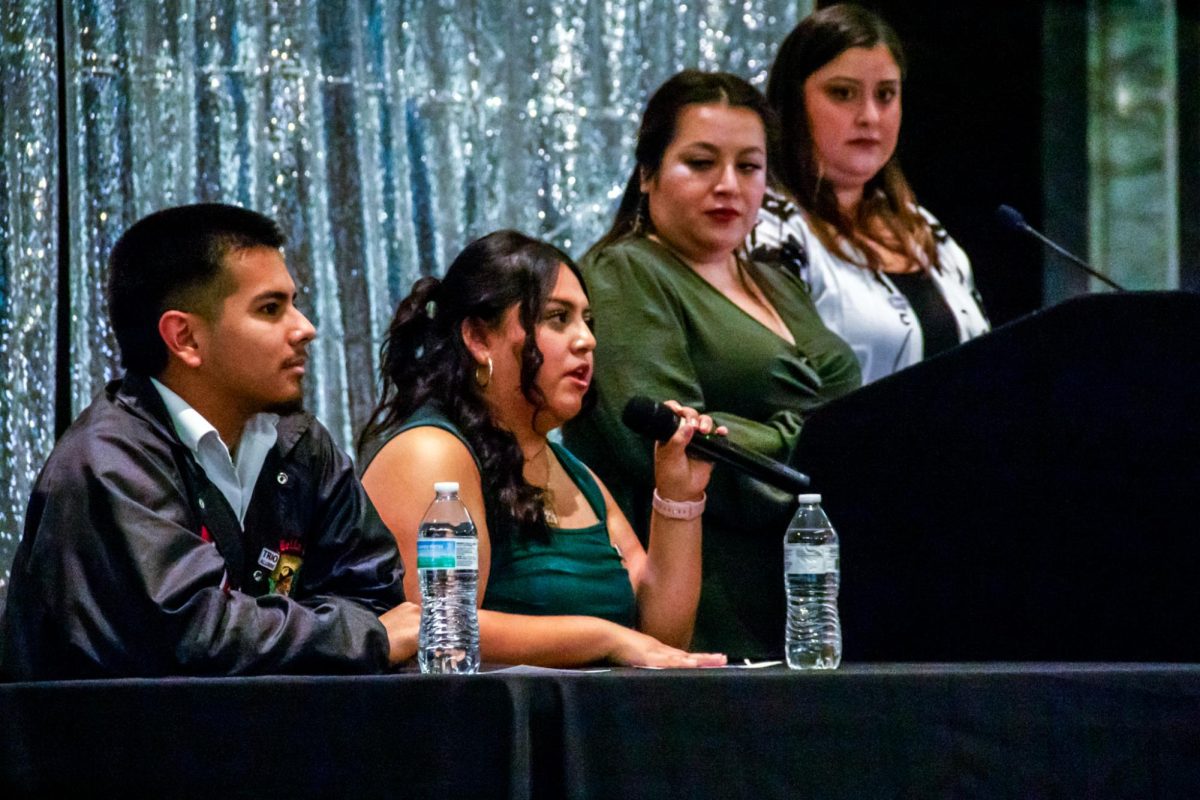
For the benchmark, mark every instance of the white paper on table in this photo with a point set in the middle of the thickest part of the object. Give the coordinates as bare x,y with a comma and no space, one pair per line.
527,669
747,664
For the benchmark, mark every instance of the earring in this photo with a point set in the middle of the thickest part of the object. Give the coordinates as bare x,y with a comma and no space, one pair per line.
640,214
483,373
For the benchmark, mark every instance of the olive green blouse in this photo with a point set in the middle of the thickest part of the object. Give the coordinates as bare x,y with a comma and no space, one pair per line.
664,332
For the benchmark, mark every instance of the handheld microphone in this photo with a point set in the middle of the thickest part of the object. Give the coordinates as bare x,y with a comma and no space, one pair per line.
656,421
1011,219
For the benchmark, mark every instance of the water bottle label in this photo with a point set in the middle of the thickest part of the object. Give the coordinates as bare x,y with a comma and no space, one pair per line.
447,554
810,559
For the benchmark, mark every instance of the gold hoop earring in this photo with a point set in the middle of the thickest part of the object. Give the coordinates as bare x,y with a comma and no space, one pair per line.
483,373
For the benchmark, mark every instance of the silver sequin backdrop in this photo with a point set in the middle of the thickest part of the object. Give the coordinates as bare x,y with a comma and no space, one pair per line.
382,135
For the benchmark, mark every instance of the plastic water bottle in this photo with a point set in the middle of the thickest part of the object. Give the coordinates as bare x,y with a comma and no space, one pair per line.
448,569
812,567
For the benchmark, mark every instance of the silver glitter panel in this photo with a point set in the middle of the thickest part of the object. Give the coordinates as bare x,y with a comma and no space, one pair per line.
382,134
29,254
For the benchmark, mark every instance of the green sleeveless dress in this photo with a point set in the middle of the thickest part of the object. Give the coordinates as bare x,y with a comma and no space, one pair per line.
576,572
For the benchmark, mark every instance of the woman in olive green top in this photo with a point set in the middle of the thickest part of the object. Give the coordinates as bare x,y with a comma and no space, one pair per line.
477,368
682,314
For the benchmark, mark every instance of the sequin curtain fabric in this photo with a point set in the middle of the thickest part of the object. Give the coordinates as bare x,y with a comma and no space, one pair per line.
382,135
29,254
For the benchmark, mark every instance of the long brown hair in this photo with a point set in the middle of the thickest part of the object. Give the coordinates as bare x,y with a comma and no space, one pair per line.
887,198
424,358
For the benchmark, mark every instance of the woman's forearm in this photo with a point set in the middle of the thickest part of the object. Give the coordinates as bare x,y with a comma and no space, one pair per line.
554,641
669,589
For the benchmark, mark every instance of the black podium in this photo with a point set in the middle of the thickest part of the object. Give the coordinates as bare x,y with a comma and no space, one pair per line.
1030,495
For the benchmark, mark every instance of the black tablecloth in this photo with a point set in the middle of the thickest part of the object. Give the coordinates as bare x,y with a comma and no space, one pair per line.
992,730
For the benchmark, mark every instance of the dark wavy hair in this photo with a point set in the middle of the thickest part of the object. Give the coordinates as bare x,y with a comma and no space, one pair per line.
175,259
424,358
818,39
657,131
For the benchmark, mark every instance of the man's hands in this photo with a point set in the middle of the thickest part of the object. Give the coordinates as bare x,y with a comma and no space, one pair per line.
402,623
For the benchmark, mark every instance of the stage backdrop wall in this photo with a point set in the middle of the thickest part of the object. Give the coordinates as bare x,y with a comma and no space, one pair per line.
382,135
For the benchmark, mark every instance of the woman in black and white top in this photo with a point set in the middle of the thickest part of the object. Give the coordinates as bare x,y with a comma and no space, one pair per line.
883,273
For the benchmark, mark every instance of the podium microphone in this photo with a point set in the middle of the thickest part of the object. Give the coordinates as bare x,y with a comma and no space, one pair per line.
656,421
1011,219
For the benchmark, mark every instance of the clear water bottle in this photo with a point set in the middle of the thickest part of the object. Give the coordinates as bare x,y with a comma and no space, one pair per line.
448,569
812,567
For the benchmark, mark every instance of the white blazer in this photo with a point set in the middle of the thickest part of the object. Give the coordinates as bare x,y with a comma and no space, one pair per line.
862,306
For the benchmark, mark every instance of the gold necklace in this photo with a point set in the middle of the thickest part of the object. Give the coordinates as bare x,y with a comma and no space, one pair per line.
547,495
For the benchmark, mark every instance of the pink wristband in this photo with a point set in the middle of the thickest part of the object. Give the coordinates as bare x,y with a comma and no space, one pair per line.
677,509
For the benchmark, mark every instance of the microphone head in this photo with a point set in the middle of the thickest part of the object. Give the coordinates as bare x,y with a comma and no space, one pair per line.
1010,218
648,418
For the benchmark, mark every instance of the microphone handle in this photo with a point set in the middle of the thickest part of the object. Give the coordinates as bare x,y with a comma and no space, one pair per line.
1074,259
718,449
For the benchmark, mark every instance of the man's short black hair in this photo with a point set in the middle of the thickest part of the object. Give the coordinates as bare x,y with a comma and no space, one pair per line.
175,259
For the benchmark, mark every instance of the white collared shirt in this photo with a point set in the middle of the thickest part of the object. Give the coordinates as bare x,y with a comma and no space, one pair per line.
235,480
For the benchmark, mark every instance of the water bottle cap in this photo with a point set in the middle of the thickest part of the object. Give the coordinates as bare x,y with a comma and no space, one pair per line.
809,498
446,487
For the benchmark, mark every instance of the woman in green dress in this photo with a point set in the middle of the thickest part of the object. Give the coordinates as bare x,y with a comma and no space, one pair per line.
477,368
682,313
